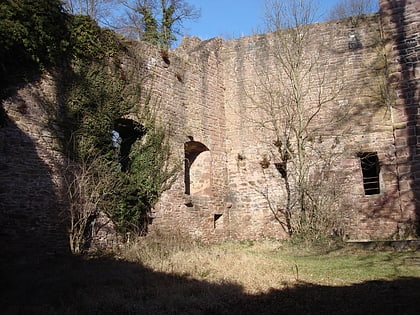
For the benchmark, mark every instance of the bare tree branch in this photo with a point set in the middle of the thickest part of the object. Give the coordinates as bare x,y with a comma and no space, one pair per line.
288,96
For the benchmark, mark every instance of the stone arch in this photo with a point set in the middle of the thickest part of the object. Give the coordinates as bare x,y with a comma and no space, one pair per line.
125,133
197,168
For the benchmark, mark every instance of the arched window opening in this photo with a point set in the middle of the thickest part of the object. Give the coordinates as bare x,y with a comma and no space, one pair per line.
196,177
125,133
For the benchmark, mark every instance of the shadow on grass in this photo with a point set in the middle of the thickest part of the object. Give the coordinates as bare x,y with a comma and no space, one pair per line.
74,285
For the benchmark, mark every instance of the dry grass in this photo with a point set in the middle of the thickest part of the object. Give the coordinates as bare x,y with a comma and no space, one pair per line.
171,274
259,267
243,263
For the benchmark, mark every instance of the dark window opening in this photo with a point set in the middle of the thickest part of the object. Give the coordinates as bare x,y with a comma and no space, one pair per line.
217,216
192,149
125,133
281,167
370,170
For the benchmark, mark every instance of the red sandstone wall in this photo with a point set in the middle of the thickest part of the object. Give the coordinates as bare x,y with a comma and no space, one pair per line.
361,125
366,125
32,217
191,91
401,22
200,94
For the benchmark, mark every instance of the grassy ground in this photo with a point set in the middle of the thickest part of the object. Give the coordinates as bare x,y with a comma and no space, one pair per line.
171,275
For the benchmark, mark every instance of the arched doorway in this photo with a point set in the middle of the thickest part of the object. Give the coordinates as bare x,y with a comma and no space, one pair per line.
197,168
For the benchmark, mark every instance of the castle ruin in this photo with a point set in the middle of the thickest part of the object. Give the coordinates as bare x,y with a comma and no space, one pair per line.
231,180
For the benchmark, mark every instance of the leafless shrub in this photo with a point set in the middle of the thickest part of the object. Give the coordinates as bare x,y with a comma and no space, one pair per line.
288,98
90,186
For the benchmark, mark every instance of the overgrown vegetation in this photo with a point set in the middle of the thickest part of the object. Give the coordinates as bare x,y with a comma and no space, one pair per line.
33,36
158,22
95,92
98,94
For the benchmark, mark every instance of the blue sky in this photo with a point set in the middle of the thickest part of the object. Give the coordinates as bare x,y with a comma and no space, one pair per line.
233,18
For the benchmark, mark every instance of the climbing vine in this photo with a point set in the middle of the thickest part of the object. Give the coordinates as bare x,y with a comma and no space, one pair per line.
98,93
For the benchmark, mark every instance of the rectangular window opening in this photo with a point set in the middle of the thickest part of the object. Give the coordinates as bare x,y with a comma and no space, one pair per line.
370,169
217,216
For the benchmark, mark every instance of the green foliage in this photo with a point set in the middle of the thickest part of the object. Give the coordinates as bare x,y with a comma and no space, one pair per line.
167,31
38,26
33,36
89,41
97,94
149,175
11,28
150,33
36,35
94,101
160,20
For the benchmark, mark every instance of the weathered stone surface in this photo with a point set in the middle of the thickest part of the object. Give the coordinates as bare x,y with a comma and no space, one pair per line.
33,221
217,76
202,99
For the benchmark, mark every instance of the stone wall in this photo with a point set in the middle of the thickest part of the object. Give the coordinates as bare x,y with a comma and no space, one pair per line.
350,121
359,119
192,102
401,24
202,92
33,221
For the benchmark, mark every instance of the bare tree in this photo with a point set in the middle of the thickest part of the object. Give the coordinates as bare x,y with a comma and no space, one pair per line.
353,9
98,10
288,97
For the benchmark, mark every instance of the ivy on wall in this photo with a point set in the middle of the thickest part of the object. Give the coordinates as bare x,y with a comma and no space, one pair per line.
33,37
94,92
97,95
